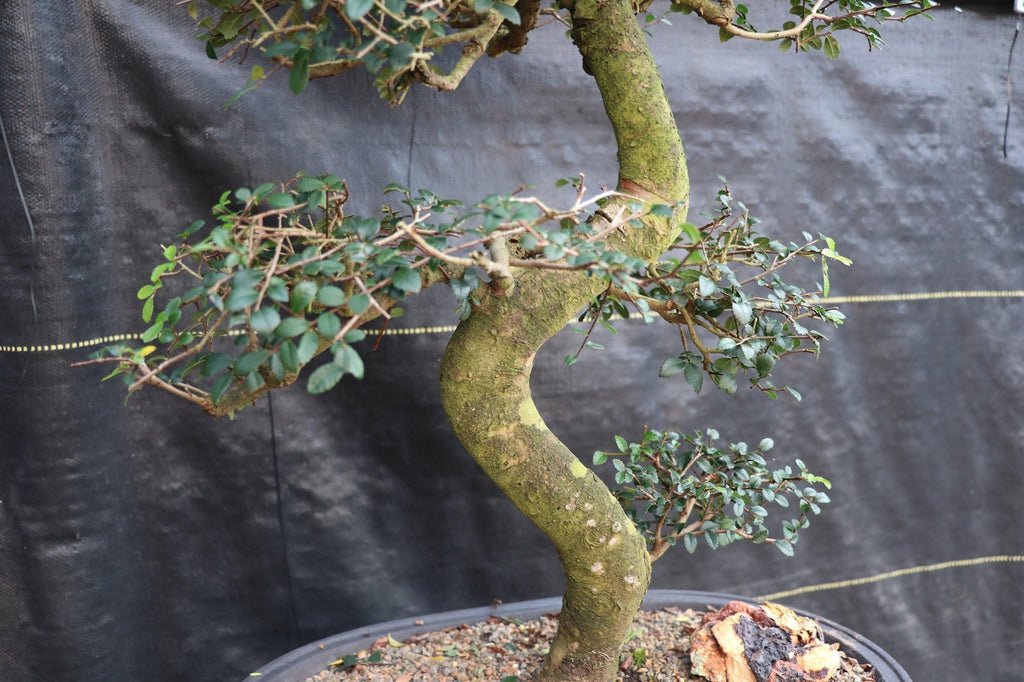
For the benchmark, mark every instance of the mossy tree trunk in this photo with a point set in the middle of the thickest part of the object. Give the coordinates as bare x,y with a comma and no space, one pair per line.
485,373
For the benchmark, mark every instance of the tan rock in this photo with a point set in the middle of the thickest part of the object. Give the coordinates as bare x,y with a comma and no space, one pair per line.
707,658
820,658
736,667
803,630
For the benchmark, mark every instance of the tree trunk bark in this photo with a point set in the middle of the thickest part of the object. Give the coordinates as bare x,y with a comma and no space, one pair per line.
485,372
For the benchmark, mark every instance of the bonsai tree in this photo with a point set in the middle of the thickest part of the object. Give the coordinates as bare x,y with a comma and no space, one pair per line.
285,273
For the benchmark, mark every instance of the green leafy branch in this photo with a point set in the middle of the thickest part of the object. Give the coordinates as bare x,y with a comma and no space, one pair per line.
816,23
735,314
285,274
396,40
682,487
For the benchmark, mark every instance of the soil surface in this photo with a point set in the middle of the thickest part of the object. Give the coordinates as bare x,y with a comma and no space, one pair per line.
509,650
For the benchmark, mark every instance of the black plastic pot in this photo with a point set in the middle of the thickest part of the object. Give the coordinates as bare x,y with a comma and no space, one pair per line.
308,660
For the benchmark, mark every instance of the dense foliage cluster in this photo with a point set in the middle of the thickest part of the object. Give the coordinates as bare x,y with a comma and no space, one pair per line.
735,314
395,40
683,487
400,41
286,274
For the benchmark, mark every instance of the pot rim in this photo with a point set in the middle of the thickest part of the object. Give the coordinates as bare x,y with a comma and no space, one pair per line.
312,658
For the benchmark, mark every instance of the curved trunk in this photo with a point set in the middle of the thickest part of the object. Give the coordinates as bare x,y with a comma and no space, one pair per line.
485,373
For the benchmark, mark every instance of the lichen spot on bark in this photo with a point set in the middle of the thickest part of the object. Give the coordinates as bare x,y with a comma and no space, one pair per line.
597,567
631,580
529,416
578,469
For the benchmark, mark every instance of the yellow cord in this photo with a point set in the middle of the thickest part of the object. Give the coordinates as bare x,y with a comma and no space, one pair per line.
924,296
449,328
888,575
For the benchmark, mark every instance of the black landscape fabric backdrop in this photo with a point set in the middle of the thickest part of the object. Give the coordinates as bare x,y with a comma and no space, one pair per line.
149,542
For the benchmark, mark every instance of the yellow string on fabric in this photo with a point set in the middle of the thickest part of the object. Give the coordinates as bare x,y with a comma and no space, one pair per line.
449,328
889,575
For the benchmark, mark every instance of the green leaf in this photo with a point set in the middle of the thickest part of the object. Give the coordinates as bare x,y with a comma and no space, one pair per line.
795,393
356,9
509,12
158,273
831,47
277,291
329,325
600,458
317,199
250,362
766,444
706,286
354,336
694,375
407,280
764,364
279,200
308,345
263,190
302,295
219,387
348,360
212,54
358,304
812,478
145,292
621,443
292,326
743,312
254,381
298,79
727,383
215,364
147,310
672,367
399,55
692,232
241,297
289,356
324,378
831,253
690,543
191,229
152,332
264,320
785,547
309,184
